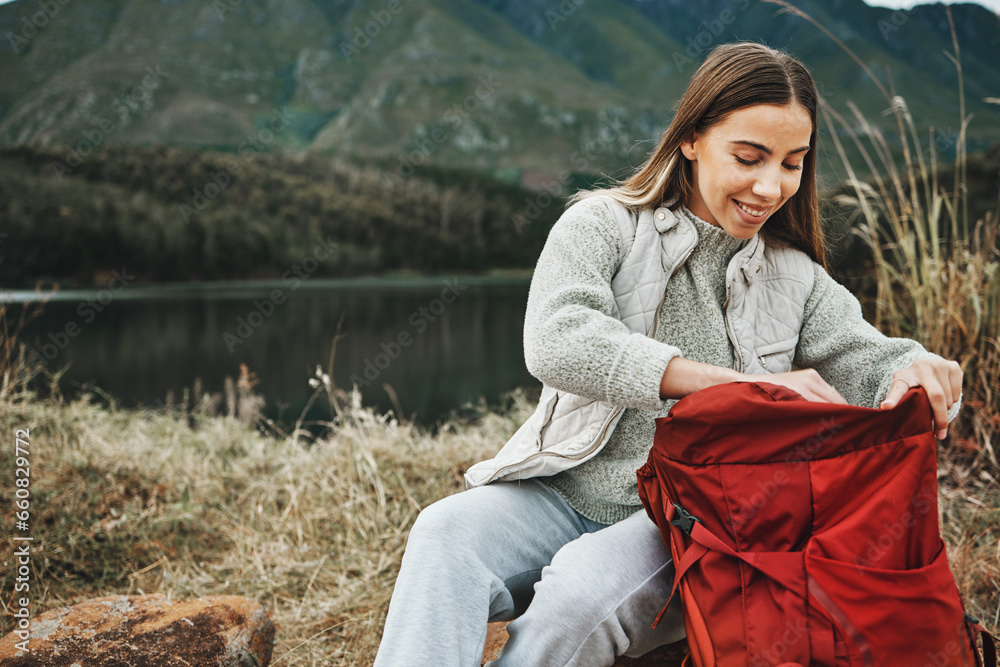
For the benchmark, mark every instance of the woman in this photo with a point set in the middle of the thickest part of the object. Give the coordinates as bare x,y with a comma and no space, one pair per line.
706,266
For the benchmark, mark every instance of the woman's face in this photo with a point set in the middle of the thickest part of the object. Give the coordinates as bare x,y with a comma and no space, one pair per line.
748,165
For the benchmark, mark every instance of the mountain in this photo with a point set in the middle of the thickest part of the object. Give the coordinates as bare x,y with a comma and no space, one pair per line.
510,86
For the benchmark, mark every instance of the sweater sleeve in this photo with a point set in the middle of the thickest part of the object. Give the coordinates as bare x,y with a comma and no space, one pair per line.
572,341
847,351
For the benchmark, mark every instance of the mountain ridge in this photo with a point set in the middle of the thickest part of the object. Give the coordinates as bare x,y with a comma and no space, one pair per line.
377,79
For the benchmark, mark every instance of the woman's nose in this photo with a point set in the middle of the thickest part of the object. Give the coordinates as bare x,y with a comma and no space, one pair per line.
767,185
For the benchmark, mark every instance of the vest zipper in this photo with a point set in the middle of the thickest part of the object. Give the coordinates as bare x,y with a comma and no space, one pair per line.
673,270
729,330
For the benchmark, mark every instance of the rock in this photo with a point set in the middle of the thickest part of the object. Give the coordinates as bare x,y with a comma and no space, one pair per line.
496,637
147,631
665,656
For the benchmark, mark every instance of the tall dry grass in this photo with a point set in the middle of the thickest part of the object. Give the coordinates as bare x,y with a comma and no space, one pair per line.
937,280
190,504
936,272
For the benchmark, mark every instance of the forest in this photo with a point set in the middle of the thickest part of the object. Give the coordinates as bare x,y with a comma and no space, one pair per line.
179,214
167,213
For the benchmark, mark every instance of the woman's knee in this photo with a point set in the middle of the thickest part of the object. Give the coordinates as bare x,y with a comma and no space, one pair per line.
453,526
438,523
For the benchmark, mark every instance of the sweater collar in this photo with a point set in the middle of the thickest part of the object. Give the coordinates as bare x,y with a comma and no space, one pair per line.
712,239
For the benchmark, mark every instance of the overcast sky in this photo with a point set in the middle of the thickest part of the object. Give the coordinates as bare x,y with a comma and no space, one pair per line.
989,4
992,4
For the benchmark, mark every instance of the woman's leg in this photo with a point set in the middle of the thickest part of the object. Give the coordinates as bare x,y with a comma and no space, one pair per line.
471,558
597,600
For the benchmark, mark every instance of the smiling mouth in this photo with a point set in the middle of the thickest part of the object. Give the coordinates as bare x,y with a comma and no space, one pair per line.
755,212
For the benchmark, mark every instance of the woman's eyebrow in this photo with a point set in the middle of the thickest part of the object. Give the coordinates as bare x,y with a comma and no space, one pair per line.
765,148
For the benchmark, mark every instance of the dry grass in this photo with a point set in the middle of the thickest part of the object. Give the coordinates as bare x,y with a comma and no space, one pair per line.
936,272
127,502
937,280
147,501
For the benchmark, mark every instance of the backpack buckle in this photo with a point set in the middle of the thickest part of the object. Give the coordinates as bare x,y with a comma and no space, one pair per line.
685,520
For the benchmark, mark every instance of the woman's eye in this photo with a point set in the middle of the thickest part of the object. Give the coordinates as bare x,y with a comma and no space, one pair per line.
793,167
748,163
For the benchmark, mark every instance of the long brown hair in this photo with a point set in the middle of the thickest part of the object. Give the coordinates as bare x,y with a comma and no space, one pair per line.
732,77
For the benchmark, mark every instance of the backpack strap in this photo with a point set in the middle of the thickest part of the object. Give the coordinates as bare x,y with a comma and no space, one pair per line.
975,630
779,567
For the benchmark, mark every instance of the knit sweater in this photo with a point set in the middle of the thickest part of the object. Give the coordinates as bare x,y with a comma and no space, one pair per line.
597,356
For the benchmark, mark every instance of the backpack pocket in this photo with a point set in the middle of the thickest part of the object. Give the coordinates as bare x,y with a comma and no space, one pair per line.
893,617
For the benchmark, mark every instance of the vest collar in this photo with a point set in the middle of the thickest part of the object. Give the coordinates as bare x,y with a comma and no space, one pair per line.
748,259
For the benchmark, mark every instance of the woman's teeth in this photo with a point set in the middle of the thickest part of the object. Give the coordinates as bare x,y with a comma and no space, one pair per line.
752,211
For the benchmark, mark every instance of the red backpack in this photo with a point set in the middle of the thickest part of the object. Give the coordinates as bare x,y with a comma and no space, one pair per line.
806,533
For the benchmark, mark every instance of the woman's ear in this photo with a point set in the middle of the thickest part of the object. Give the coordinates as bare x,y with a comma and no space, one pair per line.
687,148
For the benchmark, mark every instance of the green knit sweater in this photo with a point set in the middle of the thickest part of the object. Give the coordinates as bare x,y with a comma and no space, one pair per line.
580,257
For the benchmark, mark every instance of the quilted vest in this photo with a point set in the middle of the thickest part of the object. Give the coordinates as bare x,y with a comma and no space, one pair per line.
766,292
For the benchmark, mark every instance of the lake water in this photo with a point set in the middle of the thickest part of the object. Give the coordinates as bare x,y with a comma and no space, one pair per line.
438,342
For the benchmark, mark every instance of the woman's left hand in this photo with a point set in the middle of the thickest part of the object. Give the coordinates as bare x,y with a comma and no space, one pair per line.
941,379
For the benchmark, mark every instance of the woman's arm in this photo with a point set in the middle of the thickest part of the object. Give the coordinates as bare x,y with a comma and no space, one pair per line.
867,367
837,343
572,341
684,376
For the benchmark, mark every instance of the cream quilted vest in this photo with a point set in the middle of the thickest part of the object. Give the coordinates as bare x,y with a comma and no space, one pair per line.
766,292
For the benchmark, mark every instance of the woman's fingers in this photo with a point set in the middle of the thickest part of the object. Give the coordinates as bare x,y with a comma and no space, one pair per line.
897,390
942,382
807,382
825,392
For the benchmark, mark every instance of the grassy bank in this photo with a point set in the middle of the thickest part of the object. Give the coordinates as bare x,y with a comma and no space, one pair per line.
156,501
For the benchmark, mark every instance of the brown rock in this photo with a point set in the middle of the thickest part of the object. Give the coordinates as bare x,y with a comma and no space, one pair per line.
496,637
147,631
671,655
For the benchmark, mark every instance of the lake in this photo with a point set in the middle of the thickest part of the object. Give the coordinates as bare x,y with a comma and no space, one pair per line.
439,343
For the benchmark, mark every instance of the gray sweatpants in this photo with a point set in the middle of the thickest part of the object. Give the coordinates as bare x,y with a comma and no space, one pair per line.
581,593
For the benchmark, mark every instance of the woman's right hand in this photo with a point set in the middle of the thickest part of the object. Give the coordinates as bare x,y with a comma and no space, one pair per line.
806,382
684,376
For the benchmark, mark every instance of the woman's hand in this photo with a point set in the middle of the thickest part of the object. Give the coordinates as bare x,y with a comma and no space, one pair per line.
684,376
941,379
806,382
